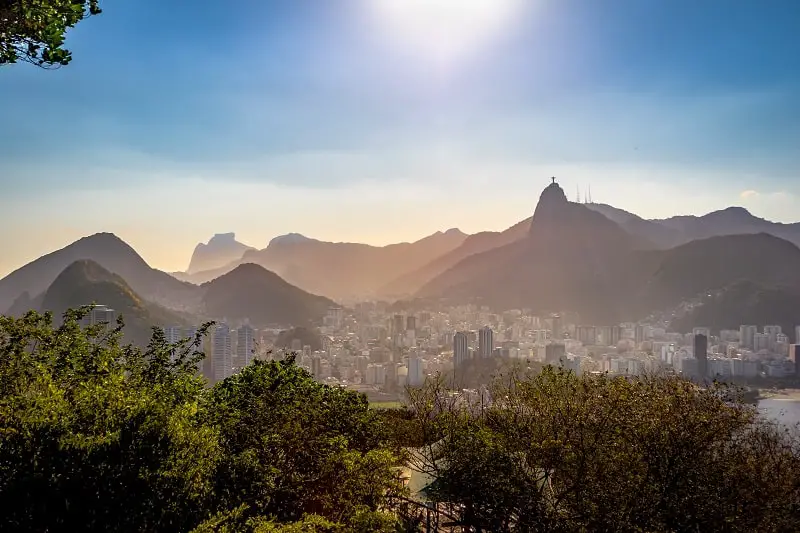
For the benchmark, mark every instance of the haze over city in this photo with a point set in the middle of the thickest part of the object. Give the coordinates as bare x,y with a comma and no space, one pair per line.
368,122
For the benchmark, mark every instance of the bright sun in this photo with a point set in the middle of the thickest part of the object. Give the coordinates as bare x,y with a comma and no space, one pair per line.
446,30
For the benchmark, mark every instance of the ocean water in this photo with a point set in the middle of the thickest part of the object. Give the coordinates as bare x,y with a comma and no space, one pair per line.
786,411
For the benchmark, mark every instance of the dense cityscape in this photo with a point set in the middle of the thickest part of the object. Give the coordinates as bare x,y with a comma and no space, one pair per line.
378,352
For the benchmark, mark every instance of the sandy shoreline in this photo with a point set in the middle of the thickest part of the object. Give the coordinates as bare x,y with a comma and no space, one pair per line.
780,394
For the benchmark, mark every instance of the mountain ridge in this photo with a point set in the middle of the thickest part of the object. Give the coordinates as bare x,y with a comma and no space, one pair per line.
220,250
110,252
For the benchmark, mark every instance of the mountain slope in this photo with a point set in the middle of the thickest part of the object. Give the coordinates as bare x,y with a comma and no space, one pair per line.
661,236
221,250
576,259
342,270
667,278
568,260
113,254
745,302
250,292
730,221
85,282
412,281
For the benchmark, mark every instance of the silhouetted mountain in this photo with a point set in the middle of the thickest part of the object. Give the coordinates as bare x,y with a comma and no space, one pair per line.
113,254
85,282
660,236
730,221
575,259
667,278
745,302
251,292
342,270
674,231
221,250
412,281
569,260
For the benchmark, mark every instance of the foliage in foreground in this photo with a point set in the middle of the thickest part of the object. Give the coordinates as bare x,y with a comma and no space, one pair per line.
96,436
556,452
33,31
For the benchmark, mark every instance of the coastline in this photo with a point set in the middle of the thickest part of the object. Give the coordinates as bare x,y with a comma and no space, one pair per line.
792,395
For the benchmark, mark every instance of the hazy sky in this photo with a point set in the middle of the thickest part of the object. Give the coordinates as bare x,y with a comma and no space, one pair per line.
351,120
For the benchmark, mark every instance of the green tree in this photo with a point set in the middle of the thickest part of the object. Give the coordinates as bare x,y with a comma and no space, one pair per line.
100,436
34,31
294,447
96,436
556,452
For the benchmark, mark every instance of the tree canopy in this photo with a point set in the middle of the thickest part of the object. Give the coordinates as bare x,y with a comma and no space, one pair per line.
558,452
97,436
100,436
34,31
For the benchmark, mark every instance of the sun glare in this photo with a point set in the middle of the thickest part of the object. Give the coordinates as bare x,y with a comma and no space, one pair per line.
446,30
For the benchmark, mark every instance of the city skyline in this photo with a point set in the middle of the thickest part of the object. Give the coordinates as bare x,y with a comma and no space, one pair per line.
327,124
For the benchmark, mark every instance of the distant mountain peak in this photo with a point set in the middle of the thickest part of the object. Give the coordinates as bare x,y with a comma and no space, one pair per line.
222,248
289,238
552,201
222,238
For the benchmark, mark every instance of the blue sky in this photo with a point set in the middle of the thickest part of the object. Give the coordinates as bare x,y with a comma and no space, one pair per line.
181,119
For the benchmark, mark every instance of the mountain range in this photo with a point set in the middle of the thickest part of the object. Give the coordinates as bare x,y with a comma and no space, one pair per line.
598,261
103,269
338,270
589,261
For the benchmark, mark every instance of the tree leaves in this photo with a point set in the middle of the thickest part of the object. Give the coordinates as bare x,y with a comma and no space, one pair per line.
34,31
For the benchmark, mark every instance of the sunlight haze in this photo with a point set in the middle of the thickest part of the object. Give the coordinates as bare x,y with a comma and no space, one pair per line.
341,122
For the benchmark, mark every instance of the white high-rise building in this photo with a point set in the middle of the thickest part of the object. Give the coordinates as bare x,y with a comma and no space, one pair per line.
415,373
760,342
221,355
460,348
100,314
747,336
485,342
245,344
173,334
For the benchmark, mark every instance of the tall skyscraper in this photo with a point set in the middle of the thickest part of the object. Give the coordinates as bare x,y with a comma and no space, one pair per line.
485,342
173,334
615,335
794,356
411,323
760,342
706,332
797,335
245,344
415,373
638,334
747,336
460,348
316,366
772,332
555,354
557,328
586,334
221,355
398,326
701,354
